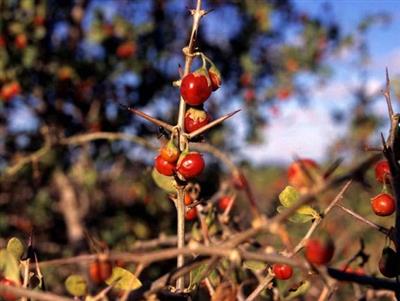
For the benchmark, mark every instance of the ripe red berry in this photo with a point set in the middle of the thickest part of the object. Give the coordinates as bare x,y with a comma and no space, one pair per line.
100,271
224,202
319,252
383,204
187,200
191,165
164,167
126,50
7,296
196,88
382,171
389,263
8,91
191,214
299,173
215,78
282,271
195,119
169,152
21,41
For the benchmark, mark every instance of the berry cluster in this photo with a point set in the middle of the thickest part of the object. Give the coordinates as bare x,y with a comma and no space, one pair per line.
186,165
383,204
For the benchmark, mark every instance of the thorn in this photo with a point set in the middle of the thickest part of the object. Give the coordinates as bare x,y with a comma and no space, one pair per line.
153,120
211,124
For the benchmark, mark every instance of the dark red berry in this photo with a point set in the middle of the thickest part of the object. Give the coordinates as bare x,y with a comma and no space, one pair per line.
319,252
382,171
191,165
195,119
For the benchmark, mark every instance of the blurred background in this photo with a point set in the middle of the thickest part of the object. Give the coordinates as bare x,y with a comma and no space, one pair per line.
307,76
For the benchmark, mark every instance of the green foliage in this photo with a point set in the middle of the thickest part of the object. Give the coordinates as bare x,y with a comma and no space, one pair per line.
123,279
15,247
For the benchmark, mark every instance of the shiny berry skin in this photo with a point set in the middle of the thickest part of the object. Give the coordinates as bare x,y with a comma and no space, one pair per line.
169,152
297,176
382,171
195,119
100,271
195,88
191,165
358,271
164,167
389,263
319,252
7,296
215,78
224,202
191,214
282,271
383,204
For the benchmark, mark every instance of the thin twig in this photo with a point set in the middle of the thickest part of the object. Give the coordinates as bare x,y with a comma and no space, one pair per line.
262,285
32,294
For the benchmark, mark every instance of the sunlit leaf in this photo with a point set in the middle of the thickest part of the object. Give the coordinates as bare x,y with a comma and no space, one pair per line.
9,267
76,285
15,247
123,279
164,182
289,196
296,217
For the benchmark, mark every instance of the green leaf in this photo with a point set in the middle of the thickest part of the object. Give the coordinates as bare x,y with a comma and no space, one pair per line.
307,210
123,279
296,217
76,285
164,182
196,275
15,247
301,289
9,266
254,265
289,196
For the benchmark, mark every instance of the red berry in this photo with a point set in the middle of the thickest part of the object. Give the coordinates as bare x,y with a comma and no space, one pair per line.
126,50
191,165
195,119
297,173
382,171
21,41
100,271
224,202
7,296
169,152
383,204
191,214
196,88
164,167
282,271
8,91
2,42
215,78
187,200
319,252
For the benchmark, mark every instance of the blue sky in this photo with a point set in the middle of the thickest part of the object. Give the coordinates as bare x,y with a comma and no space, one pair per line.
308,131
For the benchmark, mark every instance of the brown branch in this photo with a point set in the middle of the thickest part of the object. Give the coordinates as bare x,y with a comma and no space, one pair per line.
32,294
153,120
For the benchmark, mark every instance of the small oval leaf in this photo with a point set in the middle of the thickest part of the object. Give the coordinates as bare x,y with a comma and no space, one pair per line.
164,182
254,265
289,196
76,285
301,289
9,266
123,279
15,247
